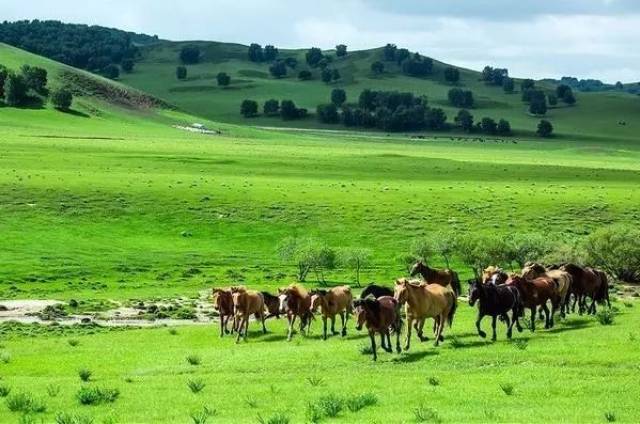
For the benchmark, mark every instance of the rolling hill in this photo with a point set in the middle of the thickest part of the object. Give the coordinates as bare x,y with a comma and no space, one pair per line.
595,116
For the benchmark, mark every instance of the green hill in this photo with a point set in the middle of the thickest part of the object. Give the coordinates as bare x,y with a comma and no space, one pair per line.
596,115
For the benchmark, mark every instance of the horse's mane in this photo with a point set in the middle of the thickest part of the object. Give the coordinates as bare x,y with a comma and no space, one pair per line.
298,290
319,291
268,295
238,289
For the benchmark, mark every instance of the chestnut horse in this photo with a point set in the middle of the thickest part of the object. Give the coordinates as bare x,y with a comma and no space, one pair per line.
443,277
494,275
536,293
272,304
247,303
496,300
223,303
332,302
587,282
425,301
380,316
562,278
295,302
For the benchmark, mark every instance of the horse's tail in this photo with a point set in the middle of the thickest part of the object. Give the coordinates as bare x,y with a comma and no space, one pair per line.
455,283
454,306
518,304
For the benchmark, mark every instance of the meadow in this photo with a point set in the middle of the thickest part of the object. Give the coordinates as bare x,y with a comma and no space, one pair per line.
112,203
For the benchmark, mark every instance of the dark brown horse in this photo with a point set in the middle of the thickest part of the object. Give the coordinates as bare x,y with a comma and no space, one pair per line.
380,316
536,293
443,277
563,281
295,301
495,301
587,282
494,275
272,304
247,303
223,303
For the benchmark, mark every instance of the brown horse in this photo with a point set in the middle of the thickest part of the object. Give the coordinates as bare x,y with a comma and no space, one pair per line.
536,293
562,278
443,277
272,304
587,282
380,316
425,301
336,301
247,303
494,275
295,302
223,303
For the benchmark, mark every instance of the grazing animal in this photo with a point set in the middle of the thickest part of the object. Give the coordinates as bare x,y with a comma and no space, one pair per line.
562,278
380,315
295,302
247,303
443,277
376,291
587,282
496,300
336,301
536,293
494,275
425,301
223,303
272,304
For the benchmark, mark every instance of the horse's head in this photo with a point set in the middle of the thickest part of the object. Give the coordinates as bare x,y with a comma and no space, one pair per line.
416,269
475,291
400,290
360,313
317,298
283,298
532,271
515,279
221,298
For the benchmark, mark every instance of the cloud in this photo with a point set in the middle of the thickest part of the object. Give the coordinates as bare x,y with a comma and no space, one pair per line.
541,38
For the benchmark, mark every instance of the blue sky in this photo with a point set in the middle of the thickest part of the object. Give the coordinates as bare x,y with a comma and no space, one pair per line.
537,38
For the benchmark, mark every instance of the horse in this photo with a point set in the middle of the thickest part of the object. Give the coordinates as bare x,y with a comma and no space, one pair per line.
494,275
424,301
223,303
247,303
587,282
295,302
376,291
380,316
336,301
443,277
535,293
272,304
562,278
496,300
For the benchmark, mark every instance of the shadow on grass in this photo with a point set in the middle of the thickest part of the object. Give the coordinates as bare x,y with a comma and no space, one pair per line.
571,325
409,357
74,112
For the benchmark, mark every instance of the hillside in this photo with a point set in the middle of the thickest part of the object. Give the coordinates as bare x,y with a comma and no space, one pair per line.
596,115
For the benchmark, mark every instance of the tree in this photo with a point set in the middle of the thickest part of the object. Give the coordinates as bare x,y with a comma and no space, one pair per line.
288,110
190,54
569,98
326,75
181,72
291,62
402,55
335,75
538,105
111,72
494,76
508,85
488,125
62,99
504,127
314,56
553,100
452,74
561,90
15,90
341,50
480,251
35,79
377,67
338,96
417,66
297,250
328,113
304,75
619,86
355,259
4,72
527,84
464,120
255,53
435,119
271,107
127,65
461,98
270,53
223,79
526,247
249,108
278,69
444,244
616,249
389,52
545,129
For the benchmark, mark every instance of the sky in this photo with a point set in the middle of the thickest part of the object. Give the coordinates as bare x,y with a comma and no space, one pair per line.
532,38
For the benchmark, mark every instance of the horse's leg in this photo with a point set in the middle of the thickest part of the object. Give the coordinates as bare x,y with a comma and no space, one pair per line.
549,317
344,317
516,317
239,334
222,326
540,315
478,320
388,347
533,319
373,345
333,325
592,308
292,321
440,326
420,329
494,318
398,328
324,327
409,324
264,329
246,327
509,324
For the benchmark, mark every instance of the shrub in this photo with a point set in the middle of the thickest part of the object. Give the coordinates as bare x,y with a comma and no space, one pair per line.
15,90
616,249
545,129
181,72
423,414
96,395
25,402
223,79
605,316
193,360
62,99
68,418
358,402
249,108
84,374
196,386
330,405
190,54
304,75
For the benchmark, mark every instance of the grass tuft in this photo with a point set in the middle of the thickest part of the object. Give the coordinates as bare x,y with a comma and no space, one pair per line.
203,415
4,390
330,405
193,360
25,402
5,357
96,395
251,402
196,385
610,416
605,316
68,418
315,381
520,344
366,350
507,388
173,331
73,342
422,414
314,413
53,390
433,381
358,402
84,374
278,418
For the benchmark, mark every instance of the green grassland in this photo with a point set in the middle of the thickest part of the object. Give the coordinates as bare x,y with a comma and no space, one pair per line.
595,116
96,204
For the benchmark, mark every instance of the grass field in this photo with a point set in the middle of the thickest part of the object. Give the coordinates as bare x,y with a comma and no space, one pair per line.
115,203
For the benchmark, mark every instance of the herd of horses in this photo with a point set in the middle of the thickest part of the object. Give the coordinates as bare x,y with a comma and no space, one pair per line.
433,296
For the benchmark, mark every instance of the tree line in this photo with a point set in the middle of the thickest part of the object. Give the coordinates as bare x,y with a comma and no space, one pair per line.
94,48
29,86
616,249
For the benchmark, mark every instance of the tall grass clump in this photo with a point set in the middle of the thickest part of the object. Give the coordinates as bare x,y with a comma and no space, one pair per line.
96,395
507,388
422,414
330,405
193,360
25,402
605,316
358,402
85,374
203,415
68,418
4,390
196,385
53,390
278,418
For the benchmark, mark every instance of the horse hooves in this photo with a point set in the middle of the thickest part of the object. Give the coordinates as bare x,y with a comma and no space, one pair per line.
493,339
344,334
441,338
482,334
398,349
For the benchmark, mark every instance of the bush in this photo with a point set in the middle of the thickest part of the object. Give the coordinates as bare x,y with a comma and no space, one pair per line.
330,405
193,360
181,72
278,69
111,71
304,75
84,374
190,55
25,402
605,316
127,65
461,98
62,99
504,127
96,395
223,79
617,250
358,402
328,113
545,129
15,90
377,67
249,108
271,107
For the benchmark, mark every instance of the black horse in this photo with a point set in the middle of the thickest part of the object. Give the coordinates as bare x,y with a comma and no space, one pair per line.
376,291
496,301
